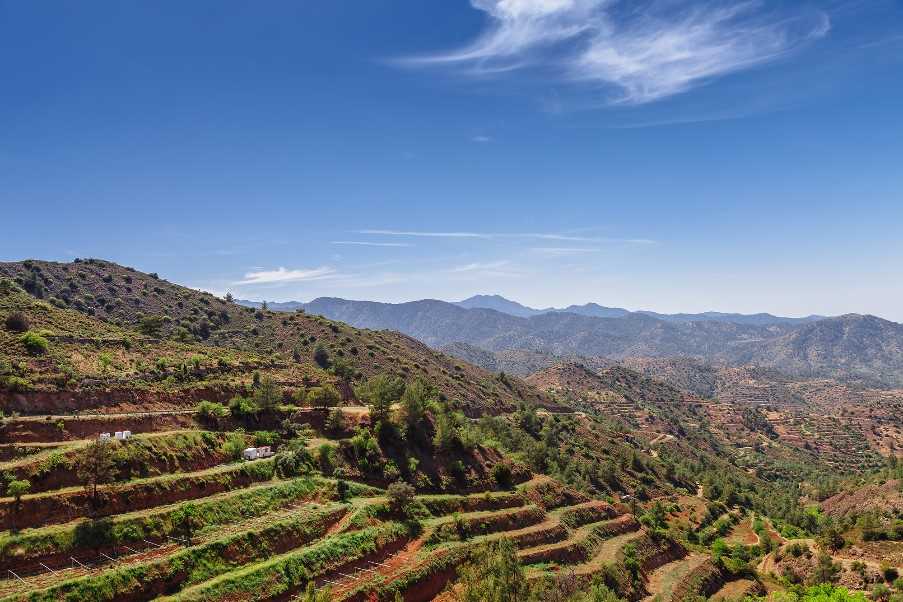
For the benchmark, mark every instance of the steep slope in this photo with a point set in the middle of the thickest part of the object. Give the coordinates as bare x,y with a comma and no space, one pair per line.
73,361
126,297
883,500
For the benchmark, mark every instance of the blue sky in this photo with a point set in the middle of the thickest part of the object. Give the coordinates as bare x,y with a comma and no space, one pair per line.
667,155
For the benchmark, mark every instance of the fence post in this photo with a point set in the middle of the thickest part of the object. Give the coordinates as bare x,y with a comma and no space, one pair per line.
47,567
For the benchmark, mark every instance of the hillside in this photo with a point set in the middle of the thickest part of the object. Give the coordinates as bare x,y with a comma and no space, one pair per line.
884,500
520,362
120,296
857,347
572,378
853,347
622,382
87,362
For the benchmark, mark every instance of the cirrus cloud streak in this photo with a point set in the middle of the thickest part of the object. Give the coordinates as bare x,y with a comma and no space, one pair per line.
633,52
281,274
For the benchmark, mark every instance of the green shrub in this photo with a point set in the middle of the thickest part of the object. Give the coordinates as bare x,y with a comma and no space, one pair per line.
270,438
335,422
234,445
326,454
151,325
243,407
401,497
34,343
210,410
8,286
502,474
16,384
324,397
267,394
797,549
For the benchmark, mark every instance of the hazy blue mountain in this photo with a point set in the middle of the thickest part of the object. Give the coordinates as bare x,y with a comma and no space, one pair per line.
274,305
499,303
853,346
595,310
760,319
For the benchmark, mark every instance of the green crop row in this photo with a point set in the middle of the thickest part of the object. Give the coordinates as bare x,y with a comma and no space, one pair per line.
291,571
462,527
195,564
442,505
154,524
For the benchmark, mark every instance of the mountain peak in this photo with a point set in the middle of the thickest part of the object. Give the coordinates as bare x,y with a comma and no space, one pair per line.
499,303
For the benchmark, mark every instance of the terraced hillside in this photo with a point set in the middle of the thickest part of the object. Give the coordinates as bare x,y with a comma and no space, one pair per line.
182,522
174,512
180,329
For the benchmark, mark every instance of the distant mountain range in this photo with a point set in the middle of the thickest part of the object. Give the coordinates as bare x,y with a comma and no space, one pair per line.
499,303
594,310
852,346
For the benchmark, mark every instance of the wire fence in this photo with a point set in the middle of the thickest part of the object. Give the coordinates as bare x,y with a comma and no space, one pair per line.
346,580
88,563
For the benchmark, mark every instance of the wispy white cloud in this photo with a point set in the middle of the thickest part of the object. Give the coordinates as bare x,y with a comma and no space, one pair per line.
503,235
361,243
639,51
480,266
481,139
281,274
425,234
563,251
485,269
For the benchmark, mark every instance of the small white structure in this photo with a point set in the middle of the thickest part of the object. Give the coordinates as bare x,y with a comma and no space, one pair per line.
104,436
264,452
253,453
123,435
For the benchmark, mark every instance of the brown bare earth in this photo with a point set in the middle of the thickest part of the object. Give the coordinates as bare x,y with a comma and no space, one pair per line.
884,499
